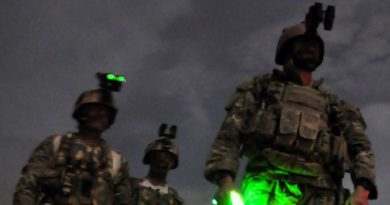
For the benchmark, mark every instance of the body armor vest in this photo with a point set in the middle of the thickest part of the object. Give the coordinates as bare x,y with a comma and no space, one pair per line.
299,115
290,129
84,177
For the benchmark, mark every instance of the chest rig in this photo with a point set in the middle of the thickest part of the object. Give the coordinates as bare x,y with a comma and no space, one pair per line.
291,127
85,178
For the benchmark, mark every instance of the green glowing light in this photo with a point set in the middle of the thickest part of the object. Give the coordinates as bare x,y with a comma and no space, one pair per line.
121,78
214,202
236,198
259,189
110,76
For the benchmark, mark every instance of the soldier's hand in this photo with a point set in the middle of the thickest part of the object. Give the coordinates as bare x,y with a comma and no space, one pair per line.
226,183
226,186
359,197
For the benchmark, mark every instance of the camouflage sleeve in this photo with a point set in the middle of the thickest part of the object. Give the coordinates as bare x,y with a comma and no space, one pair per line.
224,154
122,187
27,189
360,150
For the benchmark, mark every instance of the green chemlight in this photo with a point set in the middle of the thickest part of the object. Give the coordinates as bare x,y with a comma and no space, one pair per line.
259,189
110,76
236,198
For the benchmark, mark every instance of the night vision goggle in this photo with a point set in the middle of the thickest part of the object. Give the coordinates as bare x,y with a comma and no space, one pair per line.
111,81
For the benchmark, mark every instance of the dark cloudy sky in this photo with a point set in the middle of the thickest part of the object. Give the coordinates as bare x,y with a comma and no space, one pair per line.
182,59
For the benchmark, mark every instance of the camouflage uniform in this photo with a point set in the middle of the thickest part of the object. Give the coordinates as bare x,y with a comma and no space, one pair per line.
63,171
144,193
293,134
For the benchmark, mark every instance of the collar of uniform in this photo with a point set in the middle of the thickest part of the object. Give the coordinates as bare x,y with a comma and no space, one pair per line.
146,183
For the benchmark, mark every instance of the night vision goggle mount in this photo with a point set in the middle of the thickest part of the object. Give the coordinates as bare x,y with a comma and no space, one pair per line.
317,15
110,81
172,131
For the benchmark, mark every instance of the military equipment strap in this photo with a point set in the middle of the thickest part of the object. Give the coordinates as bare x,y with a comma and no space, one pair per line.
135,189
116,163
261,84
56,143
116,158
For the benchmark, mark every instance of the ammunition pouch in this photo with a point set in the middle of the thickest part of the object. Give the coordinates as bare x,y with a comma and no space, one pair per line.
263,125
298,130
288,128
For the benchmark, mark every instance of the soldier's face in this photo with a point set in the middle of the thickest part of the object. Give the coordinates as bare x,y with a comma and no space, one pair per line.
161,160
96,117
306,53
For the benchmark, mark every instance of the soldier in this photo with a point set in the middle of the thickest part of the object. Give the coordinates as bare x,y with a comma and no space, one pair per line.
161,155
299,138
78,167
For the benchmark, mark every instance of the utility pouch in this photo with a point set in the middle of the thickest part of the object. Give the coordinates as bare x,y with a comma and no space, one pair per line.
323,146
288,127
265,123
308,132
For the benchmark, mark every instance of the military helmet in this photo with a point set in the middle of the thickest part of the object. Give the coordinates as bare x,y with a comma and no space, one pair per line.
288,36
98,96
164,145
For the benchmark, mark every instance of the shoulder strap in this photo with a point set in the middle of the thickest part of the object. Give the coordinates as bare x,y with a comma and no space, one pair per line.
116,163
135,189
334,113
56,143
260,89
61,146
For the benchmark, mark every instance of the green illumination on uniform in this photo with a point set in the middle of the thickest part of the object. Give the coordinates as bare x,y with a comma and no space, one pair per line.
110,76
214,202
258,189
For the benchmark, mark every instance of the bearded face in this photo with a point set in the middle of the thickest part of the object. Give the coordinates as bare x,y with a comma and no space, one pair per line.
306,53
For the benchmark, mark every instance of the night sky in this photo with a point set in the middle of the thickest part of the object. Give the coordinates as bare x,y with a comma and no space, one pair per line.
182,59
